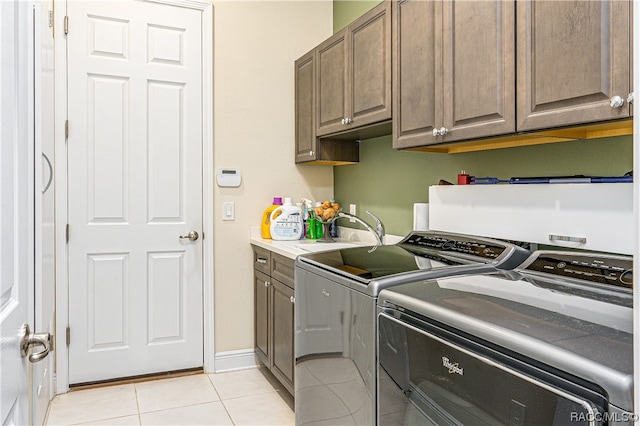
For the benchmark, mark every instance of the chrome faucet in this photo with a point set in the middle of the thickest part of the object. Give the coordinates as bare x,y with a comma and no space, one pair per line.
378,232
379,227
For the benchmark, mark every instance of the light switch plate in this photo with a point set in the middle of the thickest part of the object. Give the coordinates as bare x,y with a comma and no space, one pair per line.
352,210
228,210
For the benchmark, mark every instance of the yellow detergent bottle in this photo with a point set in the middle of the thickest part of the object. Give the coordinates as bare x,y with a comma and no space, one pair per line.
265,229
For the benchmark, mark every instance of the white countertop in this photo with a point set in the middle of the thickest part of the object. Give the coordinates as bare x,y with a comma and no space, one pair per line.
292,249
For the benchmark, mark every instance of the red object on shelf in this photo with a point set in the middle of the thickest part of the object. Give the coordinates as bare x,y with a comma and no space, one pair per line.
464,179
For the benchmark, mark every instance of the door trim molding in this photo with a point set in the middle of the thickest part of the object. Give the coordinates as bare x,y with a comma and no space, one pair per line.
61,203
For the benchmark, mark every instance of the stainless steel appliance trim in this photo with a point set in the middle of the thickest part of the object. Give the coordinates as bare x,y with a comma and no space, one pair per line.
553,237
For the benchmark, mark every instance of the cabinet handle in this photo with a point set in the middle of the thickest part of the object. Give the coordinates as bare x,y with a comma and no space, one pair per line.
261,260
616,102
630,98
267,283
440,132
344,121
293,299
349,121
325,293
310,153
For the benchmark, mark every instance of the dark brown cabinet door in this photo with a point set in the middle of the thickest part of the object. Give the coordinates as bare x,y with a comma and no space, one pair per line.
370,67
331,84
305,108
478,69
283,314
353,70
454,71
573,57
417,77
262,303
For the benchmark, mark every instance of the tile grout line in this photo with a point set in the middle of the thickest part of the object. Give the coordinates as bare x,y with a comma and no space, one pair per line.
221,401
135,388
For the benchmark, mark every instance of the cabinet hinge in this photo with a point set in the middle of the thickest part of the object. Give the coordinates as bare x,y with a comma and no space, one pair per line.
66,130
51,19
67,233
68,336
66,24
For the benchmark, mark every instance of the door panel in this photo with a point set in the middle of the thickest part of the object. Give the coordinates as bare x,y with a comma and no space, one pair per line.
45,296
416,73
331,84
135,187
262,295
283,314
16,218
305,108
478,69
572,58
370,65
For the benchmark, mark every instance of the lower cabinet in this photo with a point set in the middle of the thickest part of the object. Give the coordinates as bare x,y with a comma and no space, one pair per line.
274,313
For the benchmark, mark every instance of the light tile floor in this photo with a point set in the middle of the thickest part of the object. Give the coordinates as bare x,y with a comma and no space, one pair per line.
247,397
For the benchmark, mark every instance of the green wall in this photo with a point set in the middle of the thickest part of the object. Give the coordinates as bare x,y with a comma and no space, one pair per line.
388,182
344,12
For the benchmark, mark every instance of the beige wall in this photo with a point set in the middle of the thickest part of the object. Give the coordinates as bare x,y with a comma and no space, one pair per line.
255,46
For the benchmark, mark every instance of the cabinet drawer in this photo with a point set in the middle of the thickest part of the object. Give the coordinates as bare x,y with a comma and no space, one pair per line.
261,260
282,269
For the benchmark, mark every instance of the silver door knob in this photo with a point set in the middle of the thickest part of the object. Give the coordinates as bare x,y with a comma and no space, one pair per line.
30,340
616,102
191,236
630,98
436,132
292,299
443,131
267,283
344,121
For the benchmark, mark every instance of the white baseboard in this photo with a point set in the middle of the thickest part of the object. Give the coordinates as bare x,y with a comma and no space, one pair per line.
236,360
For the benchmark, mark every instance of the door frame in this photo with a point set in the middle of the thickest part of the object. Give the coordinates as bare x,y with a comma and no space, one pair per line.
61,204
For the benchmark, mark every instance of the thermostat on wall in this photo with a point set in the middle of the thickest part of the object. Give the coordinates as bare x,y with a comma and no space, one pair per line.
228,177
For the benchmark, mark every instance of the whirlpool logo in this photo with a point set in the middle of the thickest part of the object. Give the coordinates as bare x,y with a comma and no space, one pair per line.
453,368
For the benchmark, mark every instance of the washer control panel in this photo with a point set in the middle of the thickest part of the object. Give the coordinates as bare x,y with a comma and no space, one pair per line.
457,244
604,269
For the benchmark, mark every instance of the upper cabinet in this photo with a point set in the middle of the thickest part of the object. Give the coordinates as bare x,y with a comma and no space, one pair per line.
467,75
573,62
454,71
353,74
305,109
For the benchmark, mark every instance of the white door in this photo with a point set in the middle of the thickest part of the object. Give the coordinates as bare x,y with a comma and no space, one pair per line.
134,189
16,212
44,196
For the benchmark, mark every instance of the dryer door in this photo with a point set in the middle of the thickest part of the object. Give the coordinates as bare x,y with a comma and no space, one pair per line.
430,376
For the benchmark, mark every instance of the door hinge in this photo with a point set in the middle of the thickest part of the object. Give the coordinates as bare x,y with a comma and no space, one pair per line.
68,336
66,24
67,233
51,19
66,130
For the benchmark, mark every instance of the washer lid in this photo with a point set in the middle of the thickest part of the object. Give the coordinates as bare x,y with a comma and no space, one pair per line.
420,251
